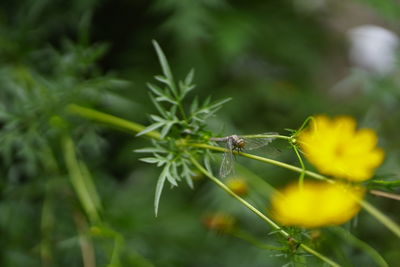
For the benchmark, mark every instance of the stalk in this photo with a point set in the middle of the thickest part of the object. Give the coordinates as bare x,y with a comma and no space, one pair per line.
135,127
110,120
260,214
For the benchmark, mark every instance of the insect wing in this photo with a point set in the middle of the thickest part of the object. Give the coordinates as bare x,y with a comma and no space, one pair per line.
227,163
257,142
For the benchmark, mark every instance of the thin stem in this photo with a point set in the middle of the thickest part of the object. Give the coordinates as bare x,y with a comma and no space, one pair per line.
390,224
131,126
80,182
259,213
385,194
302,174
87,249
347,236
110,120
304,124
266,160
386,183
273,136
385,220
230,192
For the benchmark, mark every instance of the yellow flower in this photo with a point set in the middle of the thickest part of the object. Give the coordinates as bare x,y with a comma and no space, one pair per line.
316,204
238,186
335,147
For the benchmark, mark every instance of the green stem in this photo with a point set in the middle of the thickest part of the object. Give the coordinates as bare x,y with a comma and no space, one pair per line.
131,126
266,160
302,174
86,244
80,182
273,136
385,220
110,120
259,213
347,236
304,124
230,192
386,183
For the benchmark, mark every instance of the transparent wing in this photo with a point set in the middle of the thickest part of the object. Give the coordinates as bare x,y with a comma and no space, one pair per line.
227,164
257,141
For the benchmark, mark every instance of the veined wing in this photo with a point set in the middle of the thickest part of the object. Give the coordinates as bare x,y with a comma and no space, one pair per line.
227,164
258,140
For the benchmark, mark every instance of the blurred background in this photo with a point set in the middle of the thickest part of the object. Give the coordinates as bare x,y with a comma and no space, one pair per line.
280,61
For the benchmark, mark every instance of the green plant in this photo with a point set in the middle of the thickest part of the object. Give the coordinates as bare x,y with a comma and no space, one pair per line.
184,141
179,125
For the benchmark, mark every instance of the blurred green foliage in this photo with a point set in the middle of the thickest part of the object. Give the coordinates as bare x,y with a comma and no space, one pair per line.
73,192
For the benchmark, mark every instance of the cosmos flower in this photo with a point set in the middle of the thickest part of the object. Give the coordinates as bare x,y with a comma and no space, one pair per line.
335,147
316,204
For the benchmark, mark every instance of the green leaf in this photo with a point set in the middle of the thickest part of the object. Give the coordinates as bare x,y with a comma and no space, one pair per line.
207,164
207,101
171,179
150,128
164,65
155,89
157,118
158,106
185,89
195,105
162,79
172,112
167,128
187,173
150,150
159,188
189,77
174,172
218,104
166,99
150,160
165,175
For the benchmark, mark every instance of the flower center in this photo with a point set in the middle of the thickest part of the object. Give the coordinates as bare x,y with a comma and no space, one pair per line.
339,150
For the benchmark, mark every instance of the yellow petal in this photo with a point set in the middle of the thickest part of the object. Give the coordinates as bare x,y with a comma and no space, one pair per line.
335,147
316,204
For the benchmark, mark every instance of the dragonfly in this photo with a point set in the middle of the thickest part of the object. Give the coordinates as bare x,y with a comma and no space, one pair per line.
239,143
